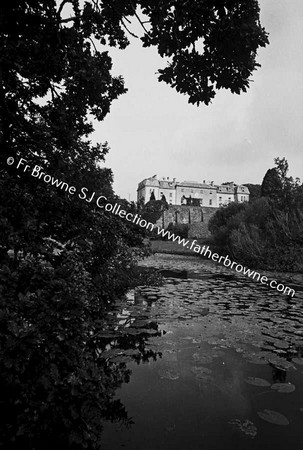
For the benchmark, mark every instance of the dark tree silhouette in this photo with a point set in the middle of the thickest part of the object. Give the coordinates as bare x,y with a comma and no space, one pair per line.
271,185
152,197
254,191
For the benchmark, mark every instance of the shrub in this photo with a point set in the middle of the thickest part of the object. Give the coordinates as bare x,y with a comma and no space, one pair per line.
179,229
55,386
261,235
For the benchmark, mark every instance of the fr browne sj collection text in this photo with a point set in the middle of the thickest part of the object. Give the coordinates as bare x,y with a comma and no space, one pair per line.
83,194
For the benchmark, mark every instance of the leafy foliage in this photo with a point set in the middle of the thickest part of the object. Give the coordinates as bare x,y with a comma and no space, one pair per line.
179,229
224,220
153,210
268,232
271,185
63,259
55,387
229,33
254,191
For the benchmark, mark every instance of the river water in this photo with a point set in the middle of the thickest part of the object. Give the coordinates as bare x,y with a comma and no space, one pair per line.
216,361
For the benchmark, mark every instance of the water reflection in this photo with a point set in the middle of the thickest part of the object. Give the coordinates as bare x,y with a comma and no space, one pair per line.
222,355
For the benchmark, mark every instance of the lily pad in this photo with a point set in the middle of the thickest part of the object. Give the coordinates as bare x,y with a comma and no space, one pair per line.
257,381
273,417
298,361
280,363
257,361
281,344
283,388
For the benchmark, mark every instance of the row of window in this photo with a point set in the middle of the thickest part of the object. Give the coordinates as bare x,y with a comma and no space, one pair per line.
196,190
201,200
229,199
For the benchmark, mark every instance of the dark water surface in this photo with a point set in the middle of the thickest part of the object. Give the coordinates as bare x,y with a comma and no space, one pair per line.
216,362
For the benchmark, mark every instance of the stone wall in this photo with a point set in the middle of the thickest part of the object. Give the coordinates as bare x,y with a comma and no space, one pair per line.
196,216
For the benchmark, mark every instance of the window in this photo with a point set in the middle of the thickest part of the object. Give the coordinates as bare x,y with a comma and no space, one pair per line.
170,194
161,193
182,190
210,201
220,199
210,193
191,191
229,199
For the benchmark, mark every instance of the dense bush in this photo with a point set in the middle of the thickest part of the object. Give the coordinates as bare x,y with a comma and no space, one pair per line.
179,229
267,233
224,220
55,387
254,191
152,210
277,245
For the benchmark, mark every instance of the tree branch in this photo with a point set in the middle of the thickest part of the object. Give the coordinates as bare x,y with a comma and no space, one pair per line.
93,44
68,20
140,21
62,6
132,34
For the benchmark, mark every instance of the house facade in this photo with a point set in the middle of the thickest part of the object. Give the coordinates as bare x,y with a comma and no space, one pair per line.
191,192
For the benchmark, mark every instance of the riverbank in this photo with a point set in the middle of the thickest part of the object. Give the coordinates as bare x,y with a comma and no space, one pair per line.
294,280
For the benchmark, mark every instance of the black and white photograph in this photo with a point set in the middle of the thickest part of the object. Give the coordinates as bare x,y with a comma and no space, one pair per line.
151,224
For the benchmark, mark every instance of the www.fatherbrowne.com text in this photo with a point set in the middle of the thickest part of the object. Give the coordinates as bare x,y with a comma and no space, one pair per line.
100,202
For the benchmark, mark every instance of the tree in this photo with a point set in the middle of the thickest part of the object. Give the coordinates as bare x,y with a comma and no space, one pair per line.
271,185
44,52
224,220
153,210
291,195
254,191
231,34
266,233
164,201
282,169
284,190
152,197
63,260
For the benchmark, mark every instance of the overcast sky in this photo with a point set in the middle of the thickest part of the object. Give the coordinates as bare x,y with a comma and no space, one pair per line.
153,130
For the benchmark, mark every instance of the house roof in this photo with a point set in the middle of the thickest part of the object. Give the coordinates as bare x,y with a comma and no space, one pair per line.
242,190
194,184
